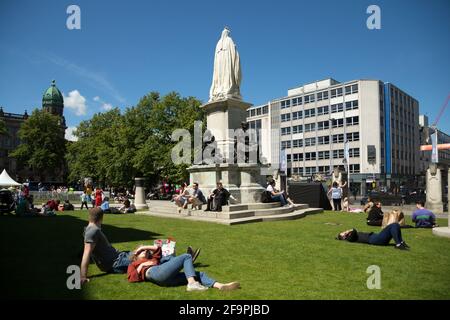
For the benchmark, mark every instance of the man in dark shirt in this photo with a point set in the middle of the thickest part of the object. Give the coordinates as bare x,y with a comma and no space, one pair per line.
97,246
383,238
375,216
218,198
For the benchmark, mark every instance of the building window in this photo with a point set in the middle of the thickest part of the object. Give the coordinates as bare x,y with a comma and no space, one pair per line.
265,110
285,131
297,129
310,127
295,115
285,117
351,89
258,111
351,105
322,95
310,156
351,121
338,138
310,142
310,113
323,155
338,154
354,168
337,107
337,123
353,153
322,110
353,136
323,140
297,157
285,145
297,143
252,113
323,125
324,169
285,104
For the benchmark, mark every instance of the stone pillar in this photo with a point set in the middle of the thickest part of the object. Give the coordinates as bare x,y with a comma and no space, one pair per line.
139,194
434,189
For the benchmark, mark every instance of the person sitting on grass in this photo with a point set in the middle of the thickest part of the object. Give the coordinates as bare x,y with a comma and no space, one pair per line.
105,205
127,207
383,238
67,206
148,265
422,217
375,215
97,246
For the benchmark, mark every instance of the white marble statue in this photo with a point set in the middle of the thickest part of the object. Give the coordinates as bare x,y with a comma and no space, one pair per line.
227,70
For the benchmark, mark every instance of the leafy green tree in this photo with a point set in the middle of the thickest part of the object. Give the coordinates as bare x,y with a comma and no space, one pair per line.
2,127
114,148
43,145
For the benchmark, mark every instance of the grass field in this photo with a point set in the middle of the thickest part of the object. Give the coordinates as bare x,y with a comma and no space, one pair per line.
278,260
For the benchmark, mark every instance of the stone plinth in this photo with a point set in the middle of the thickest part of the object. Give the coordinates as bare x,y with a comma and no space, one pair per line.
434,190
243,181
139,194
444,231
223,117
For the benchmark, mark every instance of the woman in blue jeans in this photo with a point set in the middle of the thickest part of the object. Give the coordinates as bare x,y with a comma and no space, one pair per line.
383,238
147,266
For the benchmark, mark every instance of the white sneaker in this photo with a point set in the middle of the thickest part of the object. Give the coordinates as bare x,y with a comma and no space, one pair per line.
196,286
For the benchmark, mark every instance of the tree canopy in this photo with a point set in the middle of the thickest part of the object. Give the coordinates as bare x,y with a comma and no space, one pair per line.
42,146
2,127
114,147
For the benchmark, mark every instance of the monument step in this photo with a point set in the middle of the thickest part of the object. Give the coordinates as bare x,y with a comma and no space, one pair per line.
260,212
280,217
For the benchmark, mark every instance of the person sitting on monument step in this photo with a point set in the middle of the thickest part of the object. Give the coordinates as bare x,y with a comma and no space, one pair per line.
422,217
218,198
197,199
375,215
383,238
279,196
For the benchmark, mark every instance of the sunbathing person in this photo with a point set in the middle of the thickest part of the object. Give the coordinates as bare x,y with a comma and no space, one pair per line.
149,265
383,238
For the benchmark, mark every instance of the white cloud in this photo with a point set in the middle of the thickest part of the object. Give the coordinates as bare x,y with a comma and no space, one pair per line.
107,106
76,102
69,134
96,98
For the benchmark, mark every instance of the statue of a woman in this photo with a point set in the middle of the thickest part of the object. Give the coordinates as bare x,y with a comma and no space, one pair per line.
227,70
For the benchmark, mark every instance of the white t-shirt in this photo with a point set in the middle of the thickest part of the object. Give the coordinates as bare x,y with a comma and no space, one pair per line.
270,188
336,193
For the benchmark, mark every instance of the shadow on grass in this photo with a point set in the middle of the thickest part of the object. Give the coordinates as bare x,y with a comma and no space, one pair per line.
37,251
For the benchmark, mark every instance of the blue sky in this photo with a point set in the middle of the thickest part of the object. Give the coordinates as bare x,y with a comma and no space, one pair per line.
127,48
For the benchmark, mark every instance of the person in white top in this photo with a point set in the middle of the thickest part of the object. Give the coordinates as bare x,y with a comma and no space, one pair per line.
278,196
336,196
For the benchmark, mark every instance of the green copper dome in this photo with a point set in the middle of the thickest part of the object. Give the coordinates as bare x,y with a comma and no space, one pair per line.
52,97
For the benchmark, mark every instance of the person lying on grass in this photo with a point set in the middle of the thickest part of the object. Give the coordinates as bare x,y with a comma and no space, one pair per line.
383,238
149,265
105,256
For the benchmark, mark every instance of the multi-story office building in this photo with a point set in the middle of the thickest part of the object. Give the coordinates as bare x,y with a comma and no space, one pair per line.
313,122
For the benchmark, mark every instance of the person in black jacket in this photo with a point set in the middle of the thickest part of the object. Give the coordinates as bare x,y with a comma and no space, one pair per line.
218,198
383,238
375,215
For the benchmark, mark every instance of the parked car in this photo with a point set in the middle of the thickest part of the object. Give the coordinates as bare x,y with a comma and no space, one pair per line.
7,202
385,198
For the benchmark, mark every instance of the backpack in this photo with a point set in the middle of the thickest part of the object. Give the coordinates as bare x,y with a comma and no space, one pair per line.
266,197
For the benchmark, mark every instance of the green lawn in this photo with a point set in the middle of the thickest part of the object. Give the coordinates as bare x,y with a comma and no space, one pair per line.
278,260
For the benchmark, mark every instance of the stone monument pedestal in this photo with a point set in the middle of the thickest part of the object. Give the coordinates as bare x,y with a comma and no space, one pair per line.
434,190
139,194
444,231
244,181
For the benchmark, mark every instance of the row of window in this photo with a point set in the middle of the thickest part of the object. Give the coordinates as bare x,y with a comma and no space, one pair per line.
258,111
322,140
323,95
307,171
339,107
322,155
321,125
